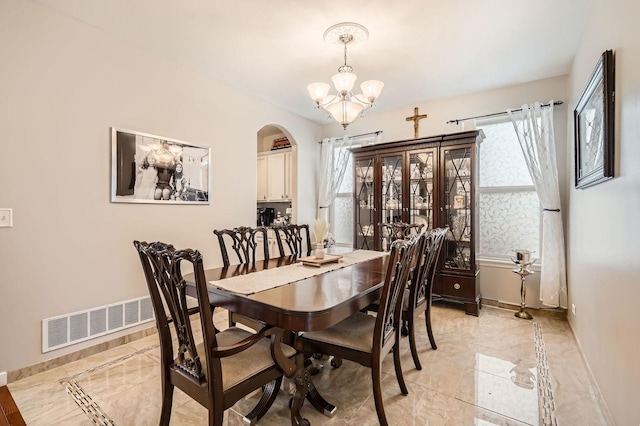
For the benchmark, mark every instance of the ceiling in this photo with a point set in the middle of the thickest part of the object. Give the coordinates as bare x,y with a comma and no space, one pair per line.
421,49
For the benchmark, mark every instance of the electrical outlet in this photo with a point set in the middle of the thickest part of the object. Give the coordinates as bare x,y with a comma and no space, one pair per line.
573,309
6,218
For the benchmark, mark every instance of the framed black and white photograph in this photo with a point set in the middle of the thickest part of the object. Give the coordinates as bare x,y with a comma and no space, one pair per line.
594,123
153,169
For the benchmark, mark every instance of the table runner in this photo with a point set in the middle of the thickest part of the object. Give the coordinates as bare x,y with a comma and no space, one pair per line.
271,278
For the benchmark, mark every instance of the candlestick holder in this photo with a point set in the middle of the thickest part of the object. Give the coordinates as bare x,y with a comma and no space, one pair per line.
523,260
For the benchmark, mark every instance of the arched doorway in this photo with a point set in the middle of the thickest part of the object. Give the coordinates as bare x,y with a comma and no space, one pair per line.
276,176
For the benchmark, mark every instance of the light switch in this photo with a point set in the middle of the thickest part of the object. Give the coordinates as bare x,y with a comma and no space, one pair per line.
6,218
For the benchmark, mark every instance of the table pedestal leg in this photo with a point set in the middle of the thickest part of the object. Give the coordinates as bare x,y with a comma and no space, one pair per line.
301,380
319,402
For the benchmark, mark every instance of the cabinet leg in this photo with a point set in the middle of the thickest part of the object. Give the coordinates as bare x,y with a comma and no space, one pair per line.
472,308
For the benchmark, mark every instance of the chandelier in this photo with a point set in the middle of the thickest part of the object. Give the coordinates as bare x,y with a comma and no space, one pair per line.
345,107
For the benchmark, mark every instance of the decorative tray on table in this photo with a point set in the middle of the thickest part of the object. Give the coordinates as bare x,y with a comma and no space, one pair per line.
312,261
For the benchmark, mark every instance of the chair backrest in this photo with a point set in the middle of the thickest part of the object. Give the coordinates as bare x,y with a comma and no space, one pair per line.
401,259
296,237
390,232
162,269
244,243
422,285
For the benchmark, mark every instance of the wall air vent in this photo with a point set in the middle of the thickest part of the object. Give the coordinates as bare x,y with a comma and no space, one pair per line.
76,327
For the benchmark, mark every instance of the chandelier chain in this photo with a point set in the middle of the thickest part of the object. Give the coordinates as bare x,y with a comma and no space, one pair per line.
345,54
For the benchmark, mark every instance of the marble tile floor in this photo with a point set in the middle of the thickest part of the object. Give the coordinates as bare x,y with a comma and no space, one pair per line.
494,369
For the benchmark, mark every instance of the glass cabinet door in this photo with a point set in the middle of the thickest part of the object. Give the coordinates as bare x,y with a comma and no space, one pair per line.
364,209
391,190
458,249
421,188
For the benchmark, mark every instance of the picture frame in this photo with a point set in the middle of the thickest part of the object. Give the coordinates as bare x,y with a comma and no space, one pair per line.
153,169
594,126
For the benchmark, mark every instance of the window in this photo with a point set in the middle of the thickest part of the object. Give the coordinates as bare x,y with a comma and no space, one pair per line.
342,208
508,206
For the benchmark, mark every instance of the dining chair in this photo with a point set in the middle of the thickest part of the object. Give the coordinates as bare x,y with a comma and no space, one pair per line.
417,298
367,339
244,242
227,365
296,237
390,232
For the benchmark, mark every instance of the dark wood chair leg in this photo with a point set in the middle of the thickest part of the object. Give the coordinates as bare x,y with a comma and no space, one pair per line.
269,394
167,402
427,319
398,367
216,417
412,344
376,376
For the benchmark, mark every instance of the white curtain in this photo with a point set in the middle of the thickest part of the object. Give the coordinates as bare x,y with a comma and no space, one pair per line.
534,127
333,165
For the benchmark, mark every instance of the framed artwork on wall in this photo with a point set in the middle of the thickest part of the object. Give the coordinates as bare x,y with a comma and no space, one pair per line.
147,168
594,124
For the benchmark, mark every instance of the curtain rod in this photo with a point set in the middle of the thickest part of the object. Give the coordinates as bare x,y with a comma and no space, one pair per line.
363,134
457,121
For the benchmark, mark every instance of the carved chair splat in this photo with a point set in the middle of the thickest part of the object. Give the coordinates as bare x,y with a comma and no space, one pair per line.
296,237
390,232
243,242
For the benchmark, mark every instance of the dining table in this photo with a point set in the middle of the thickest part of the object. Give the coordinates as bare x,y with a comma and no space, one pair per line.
276,294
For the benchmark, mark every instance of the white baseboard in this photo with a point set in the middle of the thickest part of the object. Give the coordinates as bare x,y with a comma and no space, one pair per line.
3,378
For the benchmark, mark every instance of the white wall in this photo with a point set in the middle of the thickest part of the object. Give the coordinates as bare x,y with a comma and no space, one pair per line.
497,282
604,232
63,84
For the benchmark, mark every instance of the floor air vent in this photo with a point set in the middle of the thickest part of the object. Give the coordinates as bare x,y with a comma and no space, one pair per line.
65,330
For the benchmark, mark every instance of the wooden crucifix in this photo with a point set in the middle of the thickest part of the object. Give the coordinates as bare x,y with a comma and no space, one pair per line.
415,118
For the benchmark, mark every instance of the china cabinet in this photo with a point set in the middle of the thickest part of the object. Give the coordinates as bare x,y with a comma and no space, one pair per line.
427,181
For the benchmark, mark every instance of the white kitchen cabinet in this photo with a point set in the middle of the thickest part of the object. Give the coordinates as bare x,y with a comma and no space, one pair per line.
262,178
288,175
274,177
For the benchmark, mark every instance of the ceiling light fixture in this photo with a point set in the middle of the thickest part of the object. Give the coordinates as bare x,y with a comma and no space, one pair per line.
345,107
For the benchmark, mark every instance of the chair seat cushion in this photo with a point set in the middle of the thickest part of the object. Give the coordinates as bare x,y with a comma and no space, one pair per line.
355,332
237,368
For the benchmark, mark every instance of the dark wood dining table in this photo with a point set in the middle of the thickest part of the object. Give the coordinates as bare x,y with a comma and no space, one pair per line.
310,304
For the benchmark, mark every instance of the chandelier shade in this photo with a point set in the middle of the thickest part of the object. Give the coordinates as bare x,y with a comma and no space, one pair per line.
344,81
371,89
345,112
318,91
345,107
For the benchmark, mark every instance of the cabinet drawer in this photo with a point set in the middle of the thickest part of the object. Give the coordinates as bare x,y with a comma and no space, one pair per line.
462,287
